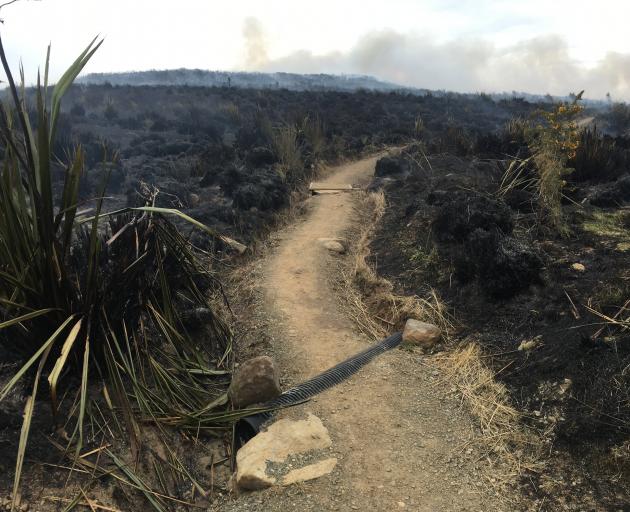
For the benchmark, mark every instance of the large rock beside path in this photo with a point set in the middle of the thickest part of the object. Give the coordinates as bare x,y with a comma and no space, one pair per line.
256,380
421,334
269,458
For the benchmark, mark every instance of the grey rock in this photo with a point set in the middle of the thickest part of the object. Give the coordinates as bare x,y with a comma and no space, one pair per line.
336,245
419,333
257,380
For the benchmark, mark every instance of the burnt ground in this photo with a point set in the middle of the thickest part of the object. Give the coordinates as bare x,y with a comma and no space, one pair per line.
508,282
209,152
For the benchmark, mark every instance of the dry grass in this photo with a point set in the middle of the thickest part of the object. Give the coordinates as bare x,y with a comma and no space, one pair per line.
550,183
370,299
378,310
284,140
313,130
503,435
621,453
231,110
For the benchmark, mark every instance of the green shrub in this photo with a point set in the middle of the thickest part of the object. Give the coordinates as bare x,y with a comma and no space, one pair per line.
553,142
100,298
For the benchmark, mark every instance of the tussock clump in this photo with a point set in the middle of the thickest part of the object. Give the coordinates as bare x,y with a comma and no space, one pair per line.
475,233
284,140
598,157
101,303
315,135
376,307
488,401
460,213
504,265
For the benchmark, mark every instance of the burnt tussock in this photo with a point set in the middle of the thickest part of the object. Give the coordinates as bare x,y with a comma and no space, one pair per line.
511,283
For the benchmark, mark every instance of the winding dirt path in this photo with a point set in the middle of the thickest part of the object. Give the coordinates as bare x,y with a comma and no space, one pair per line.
400,436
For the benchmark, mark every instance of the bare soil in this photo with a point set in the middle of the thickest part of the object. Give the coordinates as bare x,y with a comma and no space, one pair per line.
401,437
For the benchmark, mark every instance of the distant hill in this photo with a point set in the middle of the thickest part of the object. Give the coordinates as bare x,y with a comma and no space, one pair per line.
291,81
199,77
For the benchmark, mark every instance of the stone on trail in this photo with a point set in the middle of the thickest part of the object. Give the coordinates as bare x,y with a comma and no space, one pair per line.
256,380
281,440
310,472
420,333
337,245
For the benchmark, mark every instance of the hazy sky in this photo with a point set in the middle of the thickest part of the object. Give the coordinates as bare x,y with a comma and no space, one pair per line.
538,46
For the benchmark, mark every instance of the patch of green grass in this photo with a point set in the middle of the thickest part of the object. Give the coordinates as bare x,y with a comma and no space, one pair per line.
424,258
615,225
612,294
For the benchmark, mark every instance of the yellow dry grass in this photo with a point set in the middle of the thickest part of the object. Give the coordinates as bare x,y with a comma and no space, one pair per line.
377,310
502,432
371,300
284,140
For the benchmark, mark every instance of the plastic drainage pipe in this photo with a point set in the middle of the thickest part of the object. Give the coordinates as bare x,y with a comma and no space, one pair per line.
248,427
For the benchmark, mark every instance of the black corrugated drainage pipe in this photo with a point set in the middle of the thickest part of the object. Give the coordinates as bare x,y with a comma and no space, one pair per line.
248,427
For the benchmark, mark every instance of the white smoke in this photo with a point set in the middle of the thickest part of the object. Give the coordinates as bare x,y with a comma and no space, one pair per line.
540,65
255,44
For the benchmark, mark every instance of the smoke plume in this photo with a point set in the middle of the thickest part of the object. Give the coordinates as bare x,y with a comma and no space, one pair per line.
540,65
255,44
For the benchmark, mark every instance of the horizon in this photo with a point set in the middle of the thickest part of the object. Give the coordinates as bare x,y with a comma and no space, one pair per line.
470,47
395,86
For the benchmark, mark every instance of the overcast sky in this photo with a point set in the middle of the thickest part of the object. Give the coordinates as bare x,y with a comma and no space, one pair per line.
537,46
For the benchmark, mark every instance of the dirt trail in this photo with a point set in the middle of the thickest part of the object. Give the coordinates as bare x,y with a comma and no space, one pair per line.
398,431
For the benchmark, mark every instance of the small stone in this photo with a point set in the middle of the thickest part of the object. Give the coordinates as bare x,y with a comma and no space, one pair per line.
256,380
578,267
420,333
310,472
337,245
